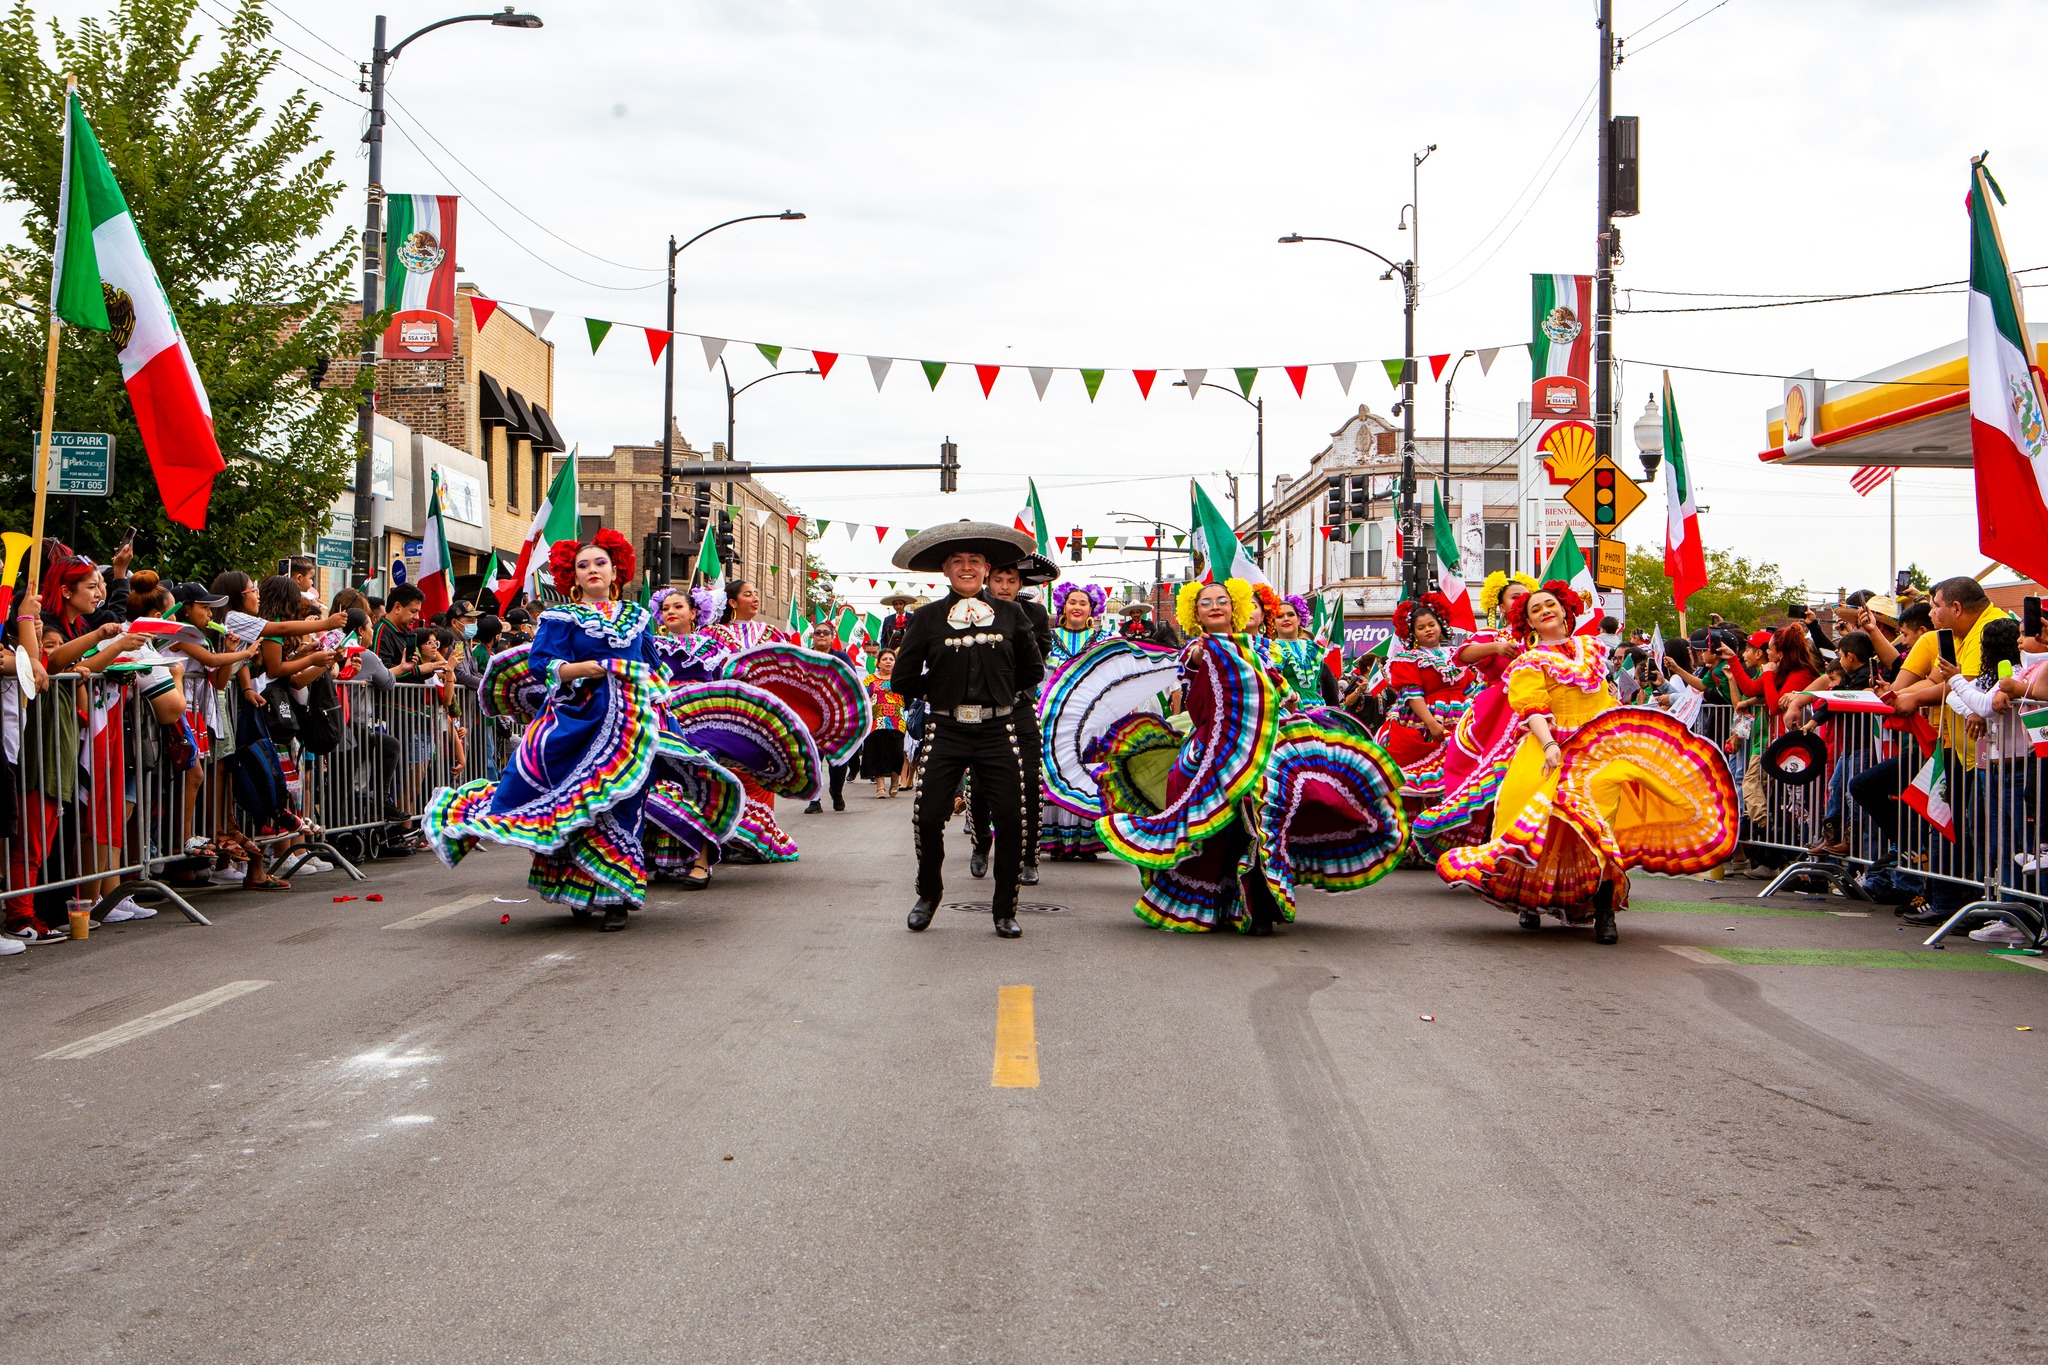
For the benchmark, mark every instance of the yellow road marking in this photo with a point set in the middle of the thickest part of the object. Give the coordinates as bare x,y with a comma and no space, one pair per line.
151,1022
1016,1039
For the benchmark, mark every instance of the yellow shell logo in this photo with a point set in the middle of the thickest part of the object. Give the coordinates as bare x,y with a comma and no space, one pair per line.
1567,451
1795,414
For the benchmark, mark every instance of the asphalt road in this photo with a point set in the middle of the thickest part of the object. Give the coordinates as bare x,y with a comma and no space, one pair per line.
760,1125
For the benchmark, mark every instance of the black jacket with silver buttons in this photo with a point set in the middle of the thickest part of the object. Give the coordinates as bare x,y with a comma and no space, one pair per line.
932,660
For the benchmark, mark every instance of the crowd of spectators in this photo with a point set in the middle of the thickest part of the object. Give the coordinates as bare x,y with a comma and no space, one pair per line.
177,716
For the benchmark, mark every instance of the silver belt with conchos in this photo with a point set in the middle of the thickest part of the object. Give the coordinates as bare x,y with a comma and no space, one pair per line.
975,715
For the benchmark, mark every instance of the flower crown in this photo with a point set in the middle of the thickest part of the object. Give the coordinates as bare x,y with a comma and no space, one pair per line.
562,560
1573,604
1496,588
1240,605
1435,603
1098,600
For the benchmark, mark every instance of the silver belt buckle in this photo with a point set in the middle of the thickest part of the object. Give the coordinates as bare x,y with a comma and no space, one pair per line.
972,715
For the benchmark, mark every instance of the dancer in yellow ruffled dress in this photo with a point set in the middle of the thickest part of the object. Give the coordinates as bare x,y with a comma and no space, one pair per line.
1594,788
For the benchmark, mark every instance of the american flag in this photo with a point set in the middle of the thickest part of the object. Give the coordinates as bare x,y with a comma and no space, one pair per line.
1870,478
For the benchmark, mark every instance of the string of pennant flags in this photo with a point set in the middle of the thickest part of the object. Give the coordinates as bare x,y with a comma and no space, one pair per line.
1396,369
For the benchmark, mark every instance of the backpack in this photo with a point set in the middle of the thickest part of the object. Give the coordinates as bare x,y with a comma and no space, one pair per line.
320,721
259,785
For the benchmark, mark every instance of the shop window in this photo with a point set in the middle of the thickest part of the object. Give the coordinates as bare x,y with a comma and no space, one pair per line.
1500,547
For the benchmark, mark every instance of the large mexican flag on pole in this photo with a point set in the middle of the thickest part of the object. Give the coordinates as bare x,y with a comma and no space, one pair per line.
1450,575
1570,567
1219,544
102,279
1031,518
555,520
2008,421
1685,554
436,568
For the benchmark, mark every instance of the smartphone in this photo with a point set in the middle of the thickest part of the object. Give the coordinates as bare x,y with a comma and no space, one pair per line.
284,568
129,539
1902,583
2030,616
1945,641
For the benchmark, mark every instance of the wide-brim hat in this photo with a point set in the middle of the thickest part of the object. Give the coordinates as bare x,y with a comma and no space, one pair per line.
926,552
898,599
1036,569
1796,759
1135,609
1884,607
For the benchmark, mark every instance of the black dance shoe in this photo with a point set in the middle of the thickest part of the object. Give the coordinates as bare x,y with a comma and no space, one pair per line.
1530,919
1006,926
1028,875
921,915
815,808
977,863
614,919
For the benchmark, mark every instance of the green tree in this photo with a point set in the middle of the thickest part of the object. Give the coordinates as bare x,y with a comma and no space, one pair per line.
1741,591
236,207
1917,576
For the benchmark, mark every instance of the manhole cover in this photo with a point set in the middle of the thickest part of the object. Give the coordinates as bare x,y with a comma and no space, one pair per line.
1025,908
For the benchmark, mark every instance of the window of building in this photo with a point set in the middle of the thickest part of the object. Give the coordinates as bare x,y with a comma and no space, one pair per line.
1500,547
1368,551
540,475
511,476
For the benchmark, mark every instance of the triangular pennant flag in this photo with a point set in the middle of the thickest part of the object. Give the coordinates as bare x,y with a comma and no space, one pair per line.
774,569
761,518
1144,378
1299,374
714,347
1395,369
1245,376
1040,377
657,341
1060,541
932,370
597,327
871,582
1437,364
1123,542
732,509
881,534
772,353
987,375
1486,358
1325,530
1093,379
878,366
794,520
1151,542
480,310
823,522
1194,380
1089,541
1178,541
852,529
1344,370
824,360
540,318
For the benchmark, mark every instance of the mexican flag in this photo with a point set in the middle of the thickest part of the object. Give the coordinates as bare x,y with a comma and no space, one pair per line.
419,253
848,622
102,279
1219,545
436,574
1685,554
1450,577
2035,723
871,626
1929,793
1328,629
1031,518
493,576
555,520
2008,422
708,562
1561,326
1569,566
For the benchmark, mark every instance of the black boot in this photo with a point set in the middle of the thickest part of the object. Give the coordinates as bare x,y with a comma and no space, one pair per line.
977,863
614,919
1027,875
921,915
1530,919
1006,925
1603,915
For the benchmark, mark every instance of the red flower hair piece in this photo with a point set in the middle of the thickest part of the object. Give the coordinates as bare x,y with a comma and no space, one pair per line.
1435,603
1269,601
1573,604
562,560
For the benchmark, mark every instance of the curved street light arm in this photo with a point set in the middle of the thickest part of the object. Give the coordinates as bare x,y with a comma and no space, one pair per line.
1397,267
391,53
778,374
749,218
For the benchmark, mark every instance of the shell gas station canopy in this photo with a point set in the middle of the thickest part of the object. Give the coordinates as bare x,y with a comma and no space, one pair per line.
1912,415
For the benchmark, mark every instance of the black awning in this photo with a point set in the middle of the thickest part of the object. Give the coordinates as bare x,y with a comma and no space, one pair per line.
548,437
522,416
492,407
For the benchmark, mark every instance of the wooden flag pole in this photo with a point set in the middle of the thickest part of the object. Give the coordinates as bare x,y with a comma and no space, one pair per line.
27,631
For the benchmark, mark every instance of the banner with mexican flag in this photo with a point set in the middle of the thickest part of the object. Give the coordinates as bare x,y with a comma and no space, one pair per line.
419,275
1219,545
2008,420
102,279
1031,519
1929,793
1450,575
1569,566
1560,335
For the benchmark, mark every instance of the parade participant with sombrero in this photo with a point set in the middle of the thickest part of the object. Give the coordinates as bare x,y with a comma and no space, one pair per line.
1008,584
898,619
1594,789
1138,625
974,661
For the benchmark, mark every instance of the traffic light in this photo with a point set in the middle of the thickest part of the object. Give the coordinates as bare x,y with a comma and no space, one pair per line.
949,466
1360,503
1603,498
701,509
727,553
1074,546
1333,503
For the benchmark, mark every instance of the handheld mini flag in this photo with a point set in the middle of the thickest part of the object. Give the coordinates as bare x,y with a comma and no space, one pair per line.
2035,723
1929,793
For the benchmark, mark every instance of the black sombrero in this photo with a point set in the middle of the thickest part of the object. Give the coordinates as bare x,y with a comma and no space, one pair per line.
926,551
1035,569
1796,759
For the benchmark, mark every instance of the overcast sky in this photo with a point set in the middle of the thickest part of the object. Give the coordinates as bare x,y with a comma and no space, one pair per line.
1053,182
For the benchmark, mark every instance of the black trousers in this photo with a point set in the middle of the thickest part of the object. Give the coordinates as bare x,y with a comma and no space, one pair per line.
993,752
837,773
979,820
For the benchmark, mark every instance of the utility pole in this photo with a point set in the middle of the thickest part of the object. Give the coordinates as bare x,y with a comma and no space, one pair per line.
1603,275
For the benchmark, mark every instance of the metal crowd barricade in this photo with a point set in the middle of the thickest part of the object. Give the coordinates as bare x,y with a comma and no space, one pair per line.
398,745
1997,797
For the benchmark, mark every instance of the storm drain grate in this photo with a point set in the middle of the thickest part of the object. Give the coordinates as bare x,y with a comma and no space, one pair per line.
1025,908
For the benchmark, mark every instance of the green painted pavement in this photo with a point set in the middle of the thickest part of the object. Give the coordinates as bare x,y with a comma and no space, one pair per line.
1716,908
1872,957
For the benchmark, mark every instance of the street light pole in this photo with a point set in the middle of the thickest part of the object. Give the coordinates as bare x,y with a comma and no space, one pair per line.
1411,543
665,529
373,258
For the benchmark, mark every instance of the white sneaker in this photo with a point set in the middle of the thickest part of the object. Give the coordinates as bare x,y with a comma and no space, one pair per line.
127,909
2002,932
233,872
316,865
10,945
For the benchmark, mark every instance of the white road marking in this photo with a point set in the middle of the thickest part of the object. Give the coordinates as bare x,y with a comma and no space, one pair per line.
438,912
151,1022
2036,963
1692,954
